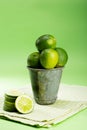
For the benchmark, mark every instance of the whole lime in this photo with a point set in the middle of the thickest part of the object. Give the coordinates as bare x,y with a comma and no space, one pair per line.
63,56
45,41
48,58
34,60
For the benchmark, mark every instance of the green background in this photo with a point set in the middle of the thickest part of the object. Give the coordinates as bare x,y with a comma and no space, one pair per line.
22,22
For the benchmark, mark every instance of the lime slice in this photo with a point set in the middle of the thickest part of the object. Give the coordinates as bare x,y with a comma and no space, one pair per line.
8,106
24,104
13,93
10,99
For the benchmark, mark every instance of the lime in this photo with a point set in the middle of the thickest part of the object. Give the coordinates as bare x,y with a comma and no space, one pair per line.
9,106
45,41
49,58
33,60
13,93
24,104
63,56
9,101
9,98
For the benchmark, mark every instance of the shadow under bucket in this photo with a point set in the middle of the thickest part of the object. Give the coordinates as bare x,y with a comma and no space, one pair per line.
45,84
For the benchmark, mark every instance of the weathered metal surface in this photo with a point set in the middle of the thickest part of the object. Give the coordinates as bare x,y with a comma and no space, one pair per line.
45,84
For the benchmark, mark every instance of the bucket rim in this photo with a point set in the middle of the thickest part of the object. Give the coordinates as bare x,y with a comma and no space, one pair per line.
57,68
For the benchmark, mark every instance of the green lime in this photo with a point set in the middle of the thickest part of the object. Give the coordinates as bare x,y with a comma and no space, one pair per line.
24,104
10,99
34,60
49,58
45,41
63,56
13,93
9,106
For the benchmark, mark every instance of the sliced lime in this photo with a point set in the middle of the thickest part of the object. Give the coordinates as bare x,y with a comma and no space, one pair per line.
9,101
8,106
10,98
13,93
24,104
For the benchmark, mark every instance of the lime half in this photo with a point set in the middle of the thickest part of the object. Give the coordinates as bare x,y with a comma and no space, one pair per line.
24,104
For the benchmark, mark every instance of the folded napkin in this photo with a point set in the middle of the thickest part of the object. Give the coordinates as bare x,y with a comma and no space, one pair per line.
71,99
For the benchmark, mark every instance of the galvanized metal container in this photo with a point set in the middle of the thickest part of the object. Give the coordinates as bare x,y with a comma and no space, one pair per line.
45,84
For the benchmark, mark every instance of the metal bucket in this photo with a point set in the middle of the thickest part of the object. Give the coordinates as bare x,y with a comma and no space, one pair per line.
45,84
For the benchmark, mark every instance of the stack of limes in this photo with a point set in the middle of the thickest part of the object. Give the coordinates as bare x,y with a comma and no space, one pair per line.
48,55
17,101
9,101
